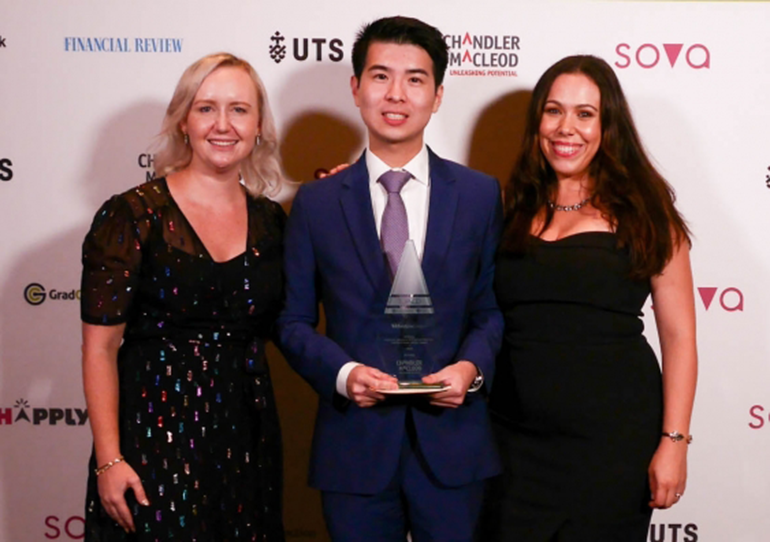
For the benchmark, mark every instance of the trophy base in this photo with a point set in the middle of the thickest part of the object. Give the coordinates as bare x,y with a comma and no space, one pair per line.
415,388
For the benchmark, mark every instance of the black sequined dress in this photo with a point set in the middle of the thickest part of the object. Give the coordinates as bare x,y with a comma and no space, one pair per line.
197,416
577,397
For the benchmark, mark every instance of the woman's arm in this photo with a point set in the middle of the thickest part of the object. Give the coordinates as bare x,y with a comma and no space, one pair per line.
100,383
674,306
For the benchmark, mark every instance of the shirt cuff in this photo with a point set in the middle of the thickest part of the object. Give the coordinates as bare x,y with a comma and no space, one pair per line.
342,378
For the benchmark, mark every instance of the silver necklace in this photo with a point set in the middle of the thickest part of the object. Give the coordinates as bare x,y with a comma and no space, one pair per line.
579,205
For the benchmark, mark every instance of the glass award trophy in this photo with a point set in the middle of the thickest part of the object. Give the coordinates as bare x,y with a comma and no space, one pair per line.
407,341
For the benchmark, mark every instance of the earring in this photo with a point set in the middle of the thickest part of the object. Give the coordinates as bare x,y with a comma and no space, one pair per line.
186,139
259,140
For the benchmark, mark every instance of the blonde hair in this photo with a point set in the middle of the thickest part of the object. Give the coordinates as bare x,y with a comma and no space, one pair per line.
261,171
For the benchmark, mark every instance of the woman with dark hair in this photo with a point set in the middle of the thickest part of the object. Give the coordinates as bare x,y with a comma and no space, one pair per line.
182,283
593,435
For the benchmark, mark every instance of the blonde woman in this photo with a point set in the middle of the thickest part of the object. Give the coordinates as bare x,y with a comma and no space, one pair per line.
182,281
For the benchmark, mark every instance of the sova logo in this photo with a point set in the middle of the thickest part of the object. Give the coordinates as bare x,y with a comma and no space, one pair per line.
303,49
647,55
35,294
761,416
730,299
42,416
673,532
6,173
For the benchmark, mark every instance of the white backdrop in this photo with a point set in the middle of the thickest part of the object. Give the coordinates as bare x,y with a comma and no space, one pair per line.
83,87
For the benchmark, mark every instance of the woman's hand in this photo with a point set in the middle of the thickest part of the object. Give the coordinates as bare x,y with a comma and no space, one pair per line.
113,484
668,473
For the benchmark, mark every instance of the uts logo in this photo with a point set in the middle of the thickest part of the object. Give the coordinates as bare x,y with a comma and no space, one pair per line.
35,294
306,48
471,55
6,173
146,162
760,415
43,416
647,55
673,532
730,299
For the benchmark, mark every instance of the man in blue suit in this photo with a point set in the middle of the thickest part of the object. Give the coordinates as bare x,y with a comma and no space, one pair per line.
388,465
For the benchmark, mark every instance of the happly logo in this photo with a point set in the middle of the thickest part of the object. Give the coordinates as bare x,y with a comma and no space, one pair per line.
6,169
648,55
673,532
483,55
22,413
730,299
35,294
305,49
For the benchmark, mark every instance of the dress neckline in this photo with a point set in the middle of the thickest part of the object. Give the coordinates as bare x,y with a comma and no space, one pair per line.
575,235
195,233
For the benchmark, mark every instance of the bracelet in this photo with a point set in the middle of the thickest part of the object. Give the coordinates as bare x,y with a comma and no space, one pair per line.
676,436
107,466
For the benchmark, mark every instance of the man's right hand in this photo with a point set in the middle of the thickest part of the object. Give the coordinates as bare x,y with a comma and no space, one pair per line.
363,383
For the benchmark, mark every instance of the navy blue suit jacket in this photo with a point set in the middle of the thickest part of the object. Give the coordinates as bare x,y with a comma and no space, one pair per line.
333,256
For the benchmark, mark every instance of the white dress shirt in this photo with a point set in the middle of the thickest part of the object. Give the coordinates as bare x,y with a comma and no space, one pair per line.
416,196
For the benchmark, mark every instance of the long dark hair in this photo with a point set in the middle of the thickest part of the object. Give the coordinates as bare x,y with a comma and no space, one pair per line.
628,190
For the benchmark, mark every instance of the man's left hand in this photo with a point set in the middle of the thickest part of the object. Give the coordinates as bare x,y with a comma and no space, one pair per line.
459,376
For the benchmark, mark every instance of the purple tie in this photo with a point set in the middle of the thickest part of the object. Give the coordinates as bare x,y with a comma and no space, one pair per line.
394,230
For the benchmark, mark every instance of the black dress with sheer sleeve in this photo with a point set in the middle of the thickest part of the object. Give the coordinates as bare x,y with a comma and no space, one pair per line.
197,415
577,397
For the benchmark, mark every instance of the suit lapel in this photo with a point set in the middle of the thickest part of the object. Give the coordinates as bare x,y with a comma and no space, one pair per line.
441,217
356,203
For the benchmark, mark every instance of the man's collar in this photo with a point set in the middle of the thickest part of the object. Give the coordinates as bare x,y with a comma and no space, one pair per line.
419,166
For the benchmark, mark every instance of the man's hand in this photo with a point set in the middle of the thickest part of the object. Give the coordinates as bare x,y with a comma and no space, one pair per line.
363,383
459,377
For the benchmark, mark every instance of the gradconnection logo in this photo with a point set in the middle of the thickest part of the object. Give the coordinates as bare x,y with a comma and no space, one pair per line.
35,294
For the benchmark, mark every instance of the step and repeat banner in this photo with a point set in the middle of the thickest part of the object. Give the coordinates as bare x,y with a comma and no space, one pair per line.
83,88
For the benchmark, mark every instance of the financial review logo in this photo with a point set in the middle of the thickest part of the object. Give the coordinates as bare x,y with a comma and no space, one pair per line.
648,55
102,44
729,299
21,412
483,55
6,169
305,49
35,294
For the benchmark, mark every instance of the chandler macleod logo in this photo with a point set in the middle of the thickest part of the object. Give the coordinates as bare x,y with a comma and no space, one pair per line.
483,55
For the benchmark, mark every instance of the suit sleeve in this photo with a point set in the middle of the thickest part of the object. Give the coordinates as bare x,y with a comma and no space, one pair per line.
315,357
485,330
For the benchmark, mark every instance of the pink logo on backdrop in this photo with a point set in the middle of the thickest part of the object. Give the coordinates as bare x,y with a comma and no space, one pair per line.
760,416
71,528
648,55
730,299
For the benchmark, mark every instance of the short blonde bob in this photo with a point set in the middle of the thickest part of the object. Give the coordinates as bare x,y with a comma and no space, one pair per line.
261,171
